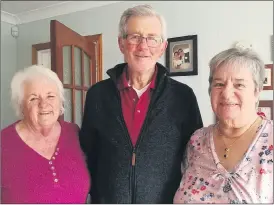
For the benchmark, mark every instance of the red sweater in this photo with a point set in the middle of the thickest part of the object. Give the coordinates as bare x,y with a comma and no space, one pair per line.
27,177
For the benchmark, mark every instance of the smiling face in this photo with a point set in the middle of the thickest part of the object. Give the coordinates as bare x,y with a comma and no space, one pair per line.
41,103
176,56
140,57
233,95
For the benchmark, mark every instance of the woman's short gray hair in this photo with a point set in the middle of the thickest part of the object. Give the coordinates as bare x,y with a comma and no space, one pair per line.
141,10
239,57
26,75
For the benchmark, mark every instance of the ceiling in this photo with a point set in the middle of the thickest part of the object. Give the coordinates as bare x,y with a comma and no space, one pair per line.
18,7
18,12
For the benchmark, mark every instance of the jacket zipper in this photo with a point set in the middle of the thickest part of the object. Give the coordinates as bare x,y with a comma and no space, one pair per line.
133,163
133,157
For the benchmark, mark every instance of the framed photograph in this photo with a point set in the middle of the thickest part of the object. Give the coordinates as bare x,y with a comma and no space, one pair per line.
265,108
181,56
268,81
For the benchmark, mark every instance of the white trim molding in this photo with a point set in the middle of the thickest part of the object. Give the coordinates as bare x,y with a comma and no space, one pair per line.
9,18
56,10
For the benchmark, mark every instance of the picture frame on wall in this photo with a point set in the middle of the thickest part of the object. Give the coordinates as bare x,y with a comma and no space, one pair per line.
268,82
181,56
265,108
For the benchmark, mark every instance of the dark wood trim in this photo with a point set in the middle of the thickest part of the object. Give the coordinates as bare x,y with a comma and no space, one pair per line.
82,68
73,81
36,48
82,79
98,39
76,87
54,49
269,66
42,46
93,71
100,56
90,71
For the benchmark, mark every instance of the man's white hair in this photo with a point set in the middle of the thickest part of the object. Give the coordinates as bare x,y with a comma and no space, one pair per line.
27,75
140,10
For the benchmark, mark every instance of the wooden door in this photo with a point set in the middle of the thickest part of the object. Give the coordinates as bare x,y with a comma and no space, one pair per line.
77,60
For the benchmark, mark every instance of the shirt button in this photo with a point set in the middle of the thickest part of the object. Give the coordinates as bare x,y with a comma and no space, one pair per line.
55,180
134,99
54,174
57,149
52,168
53,158
138,111
56,153
50,162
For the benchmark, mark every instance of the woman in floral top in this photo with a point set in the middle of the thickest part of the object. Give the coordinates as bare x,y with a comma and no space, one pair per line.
232,160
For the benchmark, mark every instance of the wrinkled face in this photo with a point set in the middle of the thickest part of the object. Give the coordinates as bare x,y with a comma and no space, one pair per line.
233,95
140,57
41,102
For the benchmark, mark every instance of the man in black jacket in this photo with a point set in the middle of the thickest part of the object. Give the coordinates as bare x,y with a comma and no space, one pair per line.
137,123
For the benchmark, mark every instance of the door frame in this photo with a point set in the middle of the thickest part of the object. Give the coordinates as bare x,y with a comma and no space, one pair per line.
99,61
36,48
47,45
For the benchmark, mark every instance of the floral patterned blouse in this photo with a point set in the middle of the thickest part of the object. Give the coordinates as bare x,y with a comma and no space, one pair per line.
205,180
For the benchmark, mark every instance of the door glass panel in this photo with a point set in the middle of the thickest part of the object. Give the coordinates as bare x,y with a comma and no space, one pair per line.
67,65
78,107
68,105
86,70
77,66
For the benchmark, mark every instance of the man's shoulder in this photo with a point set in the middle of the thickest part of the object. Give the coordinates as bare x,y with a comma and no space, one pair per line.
178,83
179,87
102,85
108,83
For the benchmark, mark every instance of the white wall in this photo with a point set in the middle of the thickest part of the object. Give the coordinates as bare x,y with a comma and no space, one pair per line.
217,24
8,68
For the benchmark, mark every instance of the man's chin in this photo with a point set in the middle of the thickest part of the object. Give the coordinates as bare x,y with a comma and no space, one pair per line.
141,67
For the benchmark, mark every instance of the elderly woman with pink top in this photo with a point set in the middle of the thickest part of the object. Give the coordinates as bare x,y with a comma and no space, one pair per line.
231,161
41,159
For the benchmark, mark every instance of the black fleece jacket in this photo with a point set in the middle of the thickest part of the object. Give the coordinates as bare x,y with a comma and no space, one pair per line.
150,172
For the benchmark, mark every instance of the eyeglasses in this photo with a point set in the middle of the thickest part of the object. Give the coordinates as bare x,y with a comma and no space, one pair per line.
152,41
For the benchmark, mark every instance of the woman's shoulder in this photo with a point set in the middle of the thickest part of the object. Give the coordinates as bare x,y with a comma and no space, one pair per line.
69,126
202,132
267,130
200,139
9,136
9,130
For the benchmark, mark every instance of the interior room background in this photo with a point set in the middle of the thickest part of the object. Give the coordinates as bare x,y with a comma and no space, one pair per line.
218,25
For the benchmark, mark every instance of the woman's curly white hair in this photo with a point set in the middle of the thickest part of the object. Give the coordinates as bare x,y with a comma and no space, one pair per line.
26,75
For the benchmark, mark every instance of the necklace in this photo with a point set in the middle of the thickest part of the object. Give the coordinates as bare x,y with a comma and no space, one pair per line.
227,147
